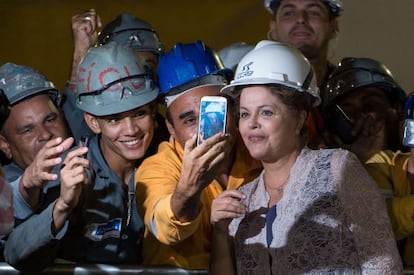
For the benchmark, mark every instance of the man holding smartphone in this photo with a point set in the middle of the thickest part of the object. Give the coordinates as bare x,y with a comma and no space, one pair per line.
179,183
92,218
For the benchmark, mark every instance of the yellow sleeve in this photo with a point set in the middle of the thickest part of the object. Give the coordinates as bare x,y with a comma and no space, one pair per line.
400,210
389,170
166,227
155,181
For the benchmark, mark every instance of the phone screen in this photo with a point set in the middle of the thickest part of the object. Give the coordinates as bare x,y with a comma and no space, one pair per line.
212,117
408,134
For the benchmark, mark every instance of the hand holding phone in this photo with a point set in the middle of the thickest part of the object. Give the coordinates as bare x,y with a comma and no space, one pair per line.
212,117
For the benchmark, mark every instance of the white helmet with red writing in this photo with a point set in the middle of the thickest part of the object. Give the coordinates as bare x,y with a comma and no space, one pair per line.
112,79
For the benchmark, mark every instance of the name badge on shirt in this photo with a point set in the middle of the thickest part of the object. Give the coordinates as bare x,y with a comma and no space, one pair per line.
100,231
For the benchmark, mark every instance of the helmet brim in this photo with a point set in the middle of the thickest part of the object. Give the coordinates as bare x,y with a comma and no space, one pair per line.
127,104
231,90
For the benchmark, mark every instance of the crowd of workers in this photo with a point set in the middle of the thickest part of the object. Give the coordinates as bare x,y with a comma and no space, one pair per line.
313,174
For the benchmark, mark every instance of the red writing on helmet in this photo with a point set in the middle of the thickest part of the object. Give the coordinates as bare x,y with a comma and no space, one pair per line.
135,84
108,75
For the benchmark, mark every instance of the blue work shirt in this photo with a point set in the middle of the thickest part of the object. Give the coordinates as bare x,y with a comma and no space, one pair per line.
104,228
22,210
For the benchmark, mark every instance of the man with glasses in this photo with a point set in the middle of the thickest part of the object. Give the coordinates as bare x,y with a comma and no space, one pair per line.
126,29
93,217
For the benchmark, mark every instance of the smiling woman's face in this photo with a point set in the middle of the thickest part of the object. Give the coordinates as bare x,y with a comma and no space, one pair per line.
269,128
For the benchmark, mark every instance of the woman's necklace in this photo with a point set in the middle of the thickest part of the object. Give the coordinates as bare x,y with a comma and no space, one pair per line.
279,189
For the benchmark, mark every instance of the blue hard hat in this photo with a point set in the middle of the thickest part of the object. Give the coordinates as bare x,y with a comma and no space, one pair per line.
186,66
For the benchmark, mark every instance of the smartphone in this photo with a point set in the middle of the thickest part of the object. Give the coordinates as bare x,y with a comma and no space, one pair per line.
212,117
84,142
408,128
408,133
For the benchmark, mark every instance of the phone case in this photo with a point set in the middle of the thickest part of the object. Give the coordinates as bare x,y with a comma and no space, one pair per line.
212,117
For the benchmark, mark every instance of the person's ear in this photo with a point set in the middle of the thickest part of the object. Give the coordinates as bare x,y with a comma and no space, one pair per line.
302,117
92,123
334,28
170,128
5,147
272,33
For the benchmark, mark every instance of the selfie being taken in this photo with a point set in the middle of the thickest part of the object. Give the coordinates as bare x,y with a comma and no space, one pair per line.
240,137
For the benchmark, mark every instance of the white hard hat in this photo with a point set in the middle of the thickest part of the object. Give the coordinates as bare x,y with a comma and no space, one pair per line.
334,6
232,54
271,62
